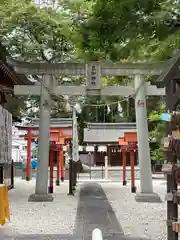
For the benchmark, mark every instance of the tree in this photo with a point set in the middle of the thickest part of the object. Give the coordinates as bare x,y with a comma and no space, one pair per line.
35,34
29,31
132,29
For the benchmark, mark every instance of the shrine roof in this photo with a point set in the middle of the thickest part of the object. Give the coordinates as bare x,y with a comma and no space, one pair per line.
16,79
107,132
171,71
122,125
55,123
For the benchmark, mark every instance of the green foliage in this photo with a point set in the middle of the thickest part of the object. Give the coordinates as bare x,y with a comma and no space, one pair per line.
27,30
132,29
157,154
29,33
126,30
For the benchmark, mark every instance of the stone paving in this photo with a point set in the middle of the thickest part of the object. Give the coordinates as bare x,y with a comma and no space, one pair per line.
94,211
105,206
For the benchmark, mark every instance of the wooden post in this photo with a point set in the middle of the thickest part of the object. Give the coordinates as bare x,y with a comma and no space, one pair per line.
124,167
106,167
70,171
28,166
133,187
74,168
62,163
58,168
50,190
4,204
1,174
12,174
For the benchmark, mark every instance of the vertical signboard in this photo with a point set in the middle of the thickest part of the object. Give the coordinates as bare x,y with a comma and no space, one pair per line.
5,136
93,73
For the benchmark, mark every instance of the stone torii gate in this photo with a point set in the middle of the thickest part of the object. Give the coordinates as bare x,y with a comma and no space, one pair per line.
93,71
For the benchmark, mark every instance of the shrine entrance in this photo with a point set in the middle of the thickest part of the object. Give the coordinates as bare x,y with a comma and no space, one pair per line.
93,71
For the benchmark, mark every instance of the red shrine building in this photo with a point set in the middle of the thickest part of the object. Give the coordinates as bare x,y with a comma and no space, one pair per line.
60,134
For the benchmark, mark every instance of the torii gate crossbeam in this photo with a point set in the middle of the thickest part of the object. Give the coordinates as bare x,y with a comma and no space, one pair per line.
93,72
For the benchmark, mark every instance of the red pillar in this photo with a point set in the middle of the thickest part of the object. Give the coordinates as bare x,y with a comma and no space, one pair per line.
62,164
51,171
28,166
133,187
124,167
58,168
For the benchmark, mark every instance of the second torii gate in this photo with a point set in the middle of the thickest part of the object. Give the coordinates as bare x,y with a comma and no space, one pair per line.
93,71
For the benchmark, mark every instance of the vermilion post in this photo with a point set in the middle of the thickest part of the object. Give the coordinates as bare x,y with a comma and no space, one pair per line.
51,171
133,187
62,165
58,168
28,166
124,167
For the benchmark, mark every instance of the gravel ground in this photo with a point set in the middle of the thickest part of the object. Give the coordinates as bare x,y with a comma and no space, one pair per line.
138,219
40,218
59,217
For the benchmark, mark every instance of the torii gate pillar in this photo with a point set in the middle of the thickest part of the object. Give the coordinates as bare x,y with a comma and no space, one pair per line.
146,190
41,193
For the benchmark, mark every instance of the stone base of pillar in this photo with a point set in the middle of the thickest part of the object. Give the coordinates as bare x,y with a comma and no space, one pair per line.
124,183
40,198
133,189
148,197
62,179
50,189
57,183
28,178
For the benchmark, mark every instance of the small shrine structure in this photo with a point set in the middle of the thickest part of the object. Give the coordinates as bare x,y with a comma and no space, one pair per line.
108,135
60,134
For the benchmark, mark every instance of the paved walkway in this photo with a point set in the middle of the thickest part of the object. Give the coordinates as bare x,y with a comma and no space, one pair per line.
75,219
95,211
